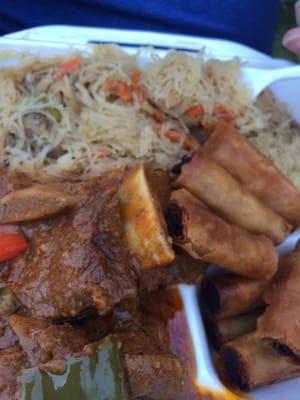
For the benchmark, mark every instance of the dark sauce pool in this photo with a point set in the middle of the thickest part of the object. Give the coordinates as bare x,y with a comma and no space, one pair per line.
167,306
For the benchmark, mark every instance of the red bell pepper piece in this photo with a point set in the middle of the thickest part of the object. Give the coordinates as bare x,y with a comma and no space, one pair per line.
11,245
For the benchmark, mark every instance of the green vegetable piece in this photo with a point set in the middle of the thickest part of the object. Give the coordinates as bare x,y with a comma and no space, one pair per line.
96,377
8,302
56,114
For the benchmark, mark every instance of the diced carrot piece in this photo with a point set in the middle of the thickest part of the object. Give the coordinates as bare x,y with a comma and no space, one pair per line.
174,136
135,77
222,112
195,111
139,94
125,92
66,68
120,88
189,142
110,85
208,124
158,116
11,245
156,128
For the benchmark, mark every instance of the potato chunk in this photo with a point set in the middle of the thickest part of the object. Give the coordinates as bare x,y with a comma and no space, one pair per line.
35,202
144,226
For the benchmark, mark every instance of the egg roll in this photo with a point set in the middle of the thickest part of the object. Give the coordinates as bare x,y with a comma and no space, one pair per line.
280,322
247,363
207,237
212,184
254,170
225,296
221,331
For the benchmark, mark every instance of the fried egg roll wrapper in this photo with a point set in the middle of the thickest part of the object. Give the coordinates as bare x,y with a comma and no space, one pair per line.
255,171
280,322
247,363
230,295
206,236
221,331
223,193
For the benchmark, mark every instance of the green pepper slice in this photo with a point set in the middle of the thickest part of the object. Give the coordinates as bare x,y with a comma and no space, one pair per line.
96,377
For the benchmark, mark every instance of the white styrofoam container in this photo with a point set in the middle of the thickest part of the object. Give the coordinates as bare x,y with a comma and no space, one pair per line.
59,39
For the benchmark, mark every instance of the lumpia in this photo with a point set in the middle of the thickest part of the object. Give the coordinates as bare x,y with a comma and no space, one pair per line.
221,331
255,171
212,184
230,295
206,236
247,363
280,322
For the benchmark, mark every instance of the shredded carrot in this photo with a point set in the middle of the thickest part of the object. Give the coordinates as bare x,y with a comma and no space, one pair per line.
125,92
135,77
139,94
110,85
222,112
156,128
189,142
120,88
208,123
158,116
174,136
195,111
66,68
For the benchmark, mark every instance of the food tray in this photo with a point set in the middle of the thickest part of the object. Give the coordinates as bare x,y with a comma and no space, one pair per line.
53,40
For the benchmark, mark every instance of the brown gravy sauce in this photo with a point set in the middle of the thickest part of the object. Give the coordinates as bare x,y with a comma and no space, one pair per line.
167,306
